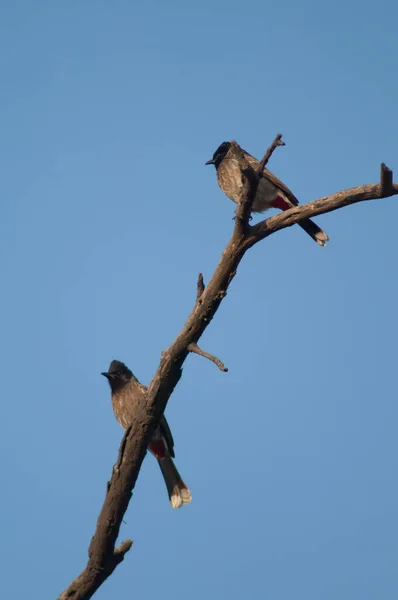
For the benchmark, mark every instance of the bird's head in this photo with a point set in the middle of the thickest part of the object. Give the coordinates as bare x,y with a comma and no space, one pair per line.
118,374
219,154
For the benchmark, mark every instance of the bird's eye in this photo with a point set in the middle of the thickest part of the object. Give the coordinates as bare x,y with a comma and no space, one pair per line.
117,373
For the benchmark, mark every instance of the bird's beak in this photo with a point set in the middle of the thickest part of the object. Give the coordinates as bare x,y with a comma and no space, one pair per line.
107,375
210,162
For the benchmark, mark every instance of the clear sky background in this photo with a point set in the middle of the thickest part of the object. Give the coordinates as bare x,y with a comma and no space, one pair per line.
109,111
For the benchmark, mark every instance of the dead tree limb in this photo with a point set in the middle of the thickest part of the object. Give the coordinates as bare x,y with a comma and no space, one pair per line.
103,556
196,350
371,191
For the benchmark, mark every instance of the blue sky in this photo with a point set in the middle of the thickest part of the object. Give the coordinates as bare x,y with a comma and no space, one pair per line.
108,113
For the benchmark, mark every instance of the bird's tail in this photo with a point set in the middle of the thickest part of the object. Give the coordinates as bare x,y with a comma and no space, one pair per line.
314,231
179,494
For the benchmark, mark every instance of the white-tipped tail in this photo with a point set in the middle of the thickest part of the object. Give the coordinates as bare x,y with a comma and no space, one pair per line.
321,238
313,230
179,493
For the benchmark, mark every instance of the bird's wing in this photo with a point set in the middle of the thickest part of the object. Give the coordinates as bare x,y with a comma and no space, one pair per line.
253,162
279,184
164,426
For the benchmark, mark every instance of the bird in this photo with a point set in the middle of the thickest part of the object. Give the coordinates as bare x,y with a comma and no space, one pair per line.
127,395
271,191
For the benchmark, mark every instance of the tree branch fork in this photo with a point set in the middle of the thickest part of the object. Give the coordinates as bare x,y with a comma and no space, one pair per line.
104,557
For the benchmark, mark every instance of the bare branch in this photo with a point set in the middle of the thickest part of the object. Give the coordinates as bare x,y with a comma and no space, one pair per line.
277,142
200,286
89,580
103,557
195,348
121,550
371,191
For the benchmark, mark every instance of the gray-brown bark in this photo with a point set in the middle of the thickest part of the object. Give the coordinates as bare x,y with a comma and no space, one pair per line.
103,556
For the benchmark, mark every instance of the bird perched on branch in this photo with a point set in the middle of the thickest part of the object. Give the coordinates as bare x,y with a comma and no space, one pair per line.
271,192
127,397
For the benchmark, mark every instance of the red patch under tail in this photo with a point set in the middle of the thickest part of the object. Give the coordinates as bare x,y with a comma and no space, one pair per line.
281,203
158,447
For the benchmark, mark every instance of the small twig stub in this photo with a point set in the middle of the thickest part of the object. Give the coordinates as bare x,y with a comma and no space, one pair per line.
196,350
386,181
275,144
200,286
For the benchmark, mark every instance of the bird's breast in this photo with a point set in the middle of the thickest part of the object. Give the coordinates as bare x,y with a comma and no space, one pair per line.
126,403
231,181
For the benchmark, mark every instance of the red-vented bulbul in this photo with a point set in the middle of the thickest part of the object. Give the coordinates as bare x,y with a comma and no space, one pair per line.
271,192
127,395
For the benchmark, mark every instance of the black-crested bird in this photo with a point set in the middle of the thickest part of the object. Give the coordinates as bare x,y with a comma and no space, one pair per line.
127,396
271,191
